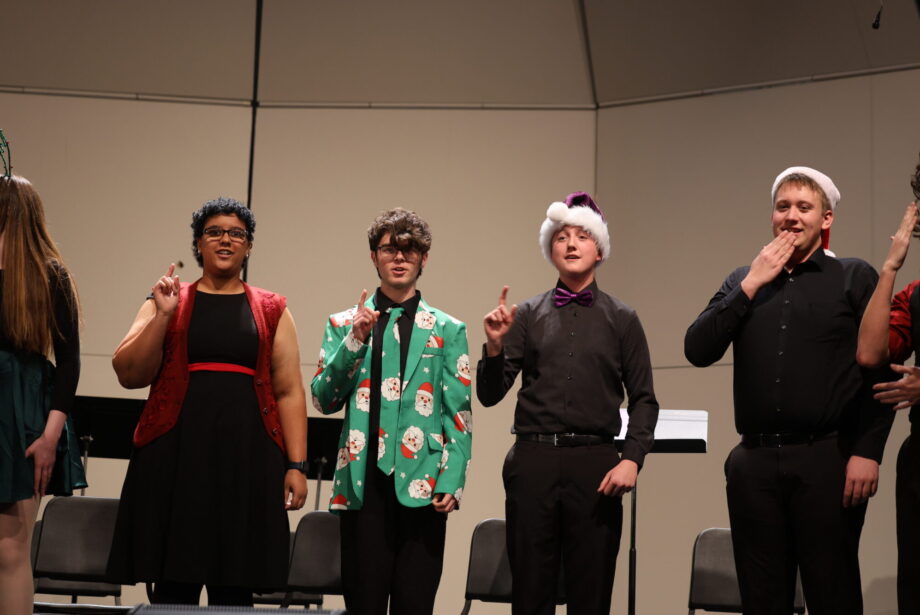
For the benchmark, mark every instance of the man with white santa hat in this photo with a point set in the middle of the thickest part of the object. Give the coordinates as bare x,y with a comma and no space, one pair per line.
578,349
811,435
390,361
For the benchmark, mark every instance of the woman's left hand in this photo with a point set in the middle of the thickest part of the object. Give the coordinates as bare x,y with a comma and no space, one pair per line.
295,490
43,453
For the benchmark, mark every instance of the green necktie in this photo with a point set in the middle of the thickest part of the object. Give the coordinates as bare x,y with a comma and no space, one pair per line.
390,393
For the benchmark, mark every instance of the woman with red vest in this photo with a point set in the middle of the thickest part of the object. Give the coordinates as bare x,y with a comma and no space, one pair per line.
39,312
220,447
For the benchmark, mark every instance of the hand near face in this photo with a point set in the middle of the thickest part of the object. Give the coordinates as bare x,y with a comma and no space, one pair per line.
364,320
900,241
497,323
768,263
905,392
166,292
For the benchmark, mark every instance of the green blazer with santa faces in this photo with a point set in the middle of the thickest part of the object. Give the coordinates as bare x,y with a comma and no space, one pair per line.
433,432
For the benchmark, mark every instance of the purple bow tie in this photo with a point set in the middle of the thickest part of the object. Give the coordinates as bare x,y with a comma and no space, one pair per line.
563,297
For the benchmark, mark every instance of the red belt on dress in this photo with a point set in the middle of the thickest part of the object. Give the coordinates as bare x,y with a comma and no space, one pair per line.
221,367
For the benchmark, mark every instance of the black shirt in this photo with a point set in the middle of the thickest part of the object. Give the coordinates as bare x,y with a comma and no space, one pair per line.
65,340
405,322
795,351
576,362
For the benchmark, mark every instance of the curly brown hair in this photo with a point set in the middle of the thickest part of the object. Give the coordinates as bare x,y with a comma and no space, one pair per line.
408,231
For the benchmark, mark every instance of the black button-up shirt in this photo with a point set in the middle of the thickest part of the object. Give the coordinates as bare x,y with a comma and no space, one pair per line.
575,362
795,351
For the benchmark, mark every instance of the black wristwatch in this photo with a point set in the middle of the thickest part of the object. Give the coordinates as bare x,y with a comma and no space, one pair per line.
297,465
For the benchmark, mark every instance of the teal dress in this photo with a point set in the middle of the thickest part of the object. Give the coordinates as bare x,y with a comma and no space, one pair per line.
30,386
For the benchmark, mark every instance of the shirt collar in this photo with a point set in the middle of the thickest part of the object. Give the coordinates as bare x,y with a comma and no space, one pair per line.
818,259
409,306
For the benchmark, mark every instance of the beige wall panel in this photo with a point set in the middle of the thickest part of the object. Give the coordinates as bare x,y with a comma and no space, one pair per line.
687,187
119,181
414,51
642,49
483,179
202,48
896,152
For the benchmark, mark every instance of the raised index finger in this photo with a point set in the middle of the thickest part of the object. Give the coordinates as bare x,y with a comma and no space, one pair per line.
362,299
172,268
503,298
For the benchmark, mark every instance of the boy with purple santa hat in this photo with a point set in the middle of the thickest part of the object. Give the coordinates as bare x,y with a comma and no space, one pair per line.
578,348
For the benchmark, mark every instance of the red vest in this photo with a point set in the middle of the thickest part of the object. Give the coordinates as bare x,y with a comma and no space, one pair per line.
167,393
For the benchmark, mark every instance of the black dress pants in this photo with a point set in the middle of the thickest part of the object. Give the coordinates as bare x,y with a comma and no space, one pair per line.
555,512
390,552
786,511
907,496
171,592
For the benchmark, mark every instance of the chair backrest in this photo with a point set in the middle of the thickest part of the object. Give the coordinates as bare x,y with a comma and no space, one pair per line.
488,576
75,538
713,578
316,560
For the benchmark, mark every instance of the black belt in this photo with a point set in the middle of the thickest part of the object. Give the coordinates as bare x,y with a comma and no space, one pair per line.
779,440
565,439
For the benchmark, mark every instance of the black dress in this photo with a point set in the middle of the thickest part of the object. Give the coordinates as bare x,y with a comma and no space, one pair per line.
204,502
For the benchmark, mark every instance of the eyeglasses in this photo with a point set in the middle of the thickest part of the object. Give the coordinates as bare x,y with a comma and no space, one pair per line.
236,234
388,251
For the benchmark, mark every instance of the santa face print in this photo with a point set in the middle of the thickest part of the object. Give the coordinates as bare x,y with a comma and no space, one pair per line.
463,421
381,444
363,398
421,489
356,444
391,389
424,399
424,320
412,441
434,342
341,459
463,369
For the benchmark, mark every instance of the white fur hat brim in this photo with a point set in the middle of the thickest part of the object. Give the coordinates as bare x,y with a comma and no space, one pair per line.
825,182
559,215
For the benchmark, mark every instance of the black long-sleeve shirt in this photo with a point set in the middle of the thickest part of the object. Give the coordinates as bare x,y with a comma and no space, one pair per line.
795,351
576,362
65,341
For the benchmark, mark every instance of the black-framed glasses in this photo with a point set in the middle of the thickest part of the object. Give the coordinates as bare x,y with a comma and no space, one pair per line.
388,251
236,234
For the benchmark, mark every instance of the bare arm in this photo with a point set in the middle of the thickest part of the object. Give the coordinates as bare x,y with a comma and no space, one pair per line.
287,383
139,355
872,350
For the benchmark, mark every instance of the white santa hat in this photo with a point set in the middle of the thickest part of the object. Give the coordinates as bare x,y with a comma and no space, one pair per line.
579,209
824,182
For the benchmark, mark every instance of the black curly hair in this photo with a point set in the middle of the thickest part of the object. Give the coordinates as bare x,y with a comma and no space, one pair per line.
915,182
216,207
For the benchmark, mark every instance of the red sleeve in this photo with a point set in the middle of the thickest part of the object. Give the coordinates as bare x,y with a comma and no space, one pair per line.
900,329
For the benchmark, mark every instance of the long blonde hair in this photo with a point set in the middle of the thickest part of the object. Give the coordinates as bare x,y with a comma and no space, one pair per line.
29,254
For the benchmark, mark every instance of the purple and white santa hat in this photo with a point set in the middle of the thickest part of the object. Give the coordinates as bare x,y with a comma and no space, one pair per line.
579,209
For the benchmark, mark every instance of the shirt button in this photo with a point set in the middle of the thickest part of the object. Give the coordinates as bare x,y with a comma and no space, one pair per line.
792,279
778,379
259,382
780,353
786,301
572,334
264,410
571,353
275,431
779,409
568,377
783,327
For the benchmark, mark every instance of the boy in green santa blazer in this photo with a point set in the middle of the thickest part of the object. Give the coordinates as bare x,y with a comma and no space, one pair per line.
401,370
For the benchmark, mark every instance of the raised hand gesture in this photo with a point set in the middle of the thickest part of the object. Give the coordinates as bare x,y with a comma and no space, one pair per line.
900,241
166,292
768,263
497,323
364,320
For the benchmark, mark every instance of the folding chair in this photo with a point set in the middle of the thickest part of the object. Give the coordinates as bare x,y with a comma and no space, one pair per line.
316,559
713,579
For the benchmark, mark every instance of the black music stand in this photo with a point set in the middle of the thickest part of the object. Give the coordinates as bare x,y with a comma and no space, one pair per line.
677,431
